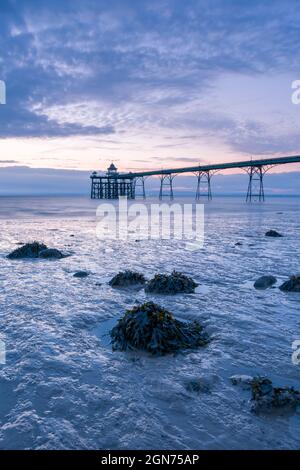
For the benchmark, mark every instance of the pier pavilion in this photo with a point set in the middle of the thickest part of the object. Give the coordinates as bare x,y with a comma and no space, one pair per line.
112,185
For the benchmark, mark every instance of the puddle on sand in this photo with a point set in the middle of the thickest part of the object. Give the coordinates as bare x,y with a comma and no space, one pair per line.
102,331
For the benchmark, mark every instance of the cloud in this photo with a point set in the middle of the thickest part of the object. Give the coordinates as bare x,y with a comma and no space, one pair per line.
135,67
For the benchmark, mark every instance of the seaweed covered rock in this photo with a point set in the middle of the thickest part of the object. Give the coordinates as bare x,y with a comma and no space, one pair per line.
29,250
173,283
292,285
36,250
126,279
264,282
149,327
51,253
273,233
265,397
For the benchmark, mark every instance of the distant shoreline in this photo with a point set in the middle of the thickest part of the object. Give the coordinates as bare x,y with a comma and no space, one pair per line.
150,195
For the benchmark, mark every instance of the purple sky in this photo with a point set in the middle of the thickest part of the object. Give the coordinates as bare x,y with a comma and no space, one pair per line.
147,84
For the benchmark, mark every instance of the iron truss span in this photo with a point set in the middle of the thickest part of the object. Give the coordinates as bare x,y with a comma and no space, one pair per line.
217,166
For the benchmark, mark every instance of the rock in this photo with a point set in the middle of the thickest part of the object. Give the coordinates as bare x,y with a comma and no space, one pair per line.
149,327
238,244
126,279
171,284
292,285
51,253
35,250
264,396
264,282
81,274
29,250
273,233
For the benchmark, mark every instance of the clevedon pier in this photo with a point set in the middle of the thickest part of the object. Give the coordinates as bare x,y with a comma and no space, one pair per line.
113,184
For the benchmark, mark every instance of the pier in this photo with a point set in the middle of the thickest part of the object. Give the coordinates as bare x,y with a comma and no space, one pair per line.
113,184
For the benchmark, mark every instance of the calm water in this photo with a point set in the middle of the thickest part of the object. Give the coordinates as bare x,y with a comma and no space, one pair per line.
62,387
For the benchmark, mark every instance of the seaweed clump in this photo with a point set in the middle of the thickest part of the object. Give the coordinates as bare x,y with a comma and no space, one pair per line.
36,250
173,283
127,278
265,397
29,250
149,327
292,285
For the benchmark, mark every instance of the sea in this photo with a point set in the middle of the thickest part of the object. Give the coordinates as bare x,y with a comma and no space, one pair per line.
62,386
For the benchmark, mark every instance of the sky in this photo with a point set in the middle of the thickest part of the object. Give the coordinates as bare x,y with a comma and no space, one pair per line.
146,83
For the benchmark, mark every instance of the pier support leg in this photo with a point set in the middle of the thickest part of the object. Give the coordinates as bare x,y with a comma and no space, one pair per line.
256,184
139,182
166,181
204,185
96,188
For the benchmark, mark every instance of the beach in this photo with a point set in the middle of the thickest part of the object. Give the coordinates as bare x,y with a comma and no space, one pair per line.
62,387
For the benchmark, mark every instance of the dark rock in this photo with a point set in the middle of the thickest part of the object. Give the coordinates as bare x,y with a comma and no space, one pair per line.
151,328
264,282
126,279
238,244
273,233
292,285
29,250
264,396
51,253
171,284
81,274
36,250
